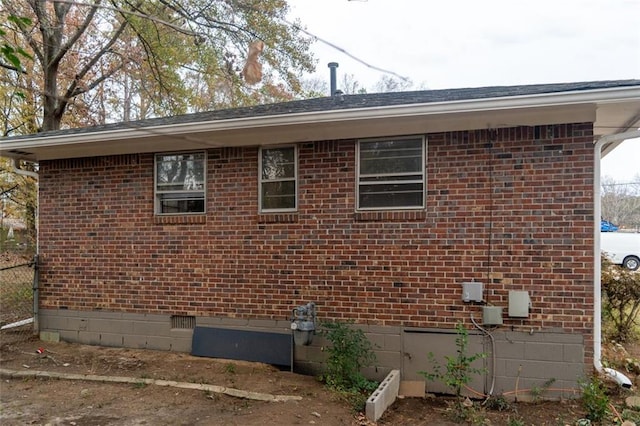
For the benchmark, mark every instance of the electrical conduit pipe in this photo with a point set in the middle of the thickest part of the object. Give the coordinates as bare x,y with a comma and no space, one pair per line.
617,376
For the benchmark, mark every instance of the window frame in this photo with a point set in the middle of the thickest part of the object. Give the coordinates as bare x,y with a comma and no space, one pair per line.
295,179
423,172
157,193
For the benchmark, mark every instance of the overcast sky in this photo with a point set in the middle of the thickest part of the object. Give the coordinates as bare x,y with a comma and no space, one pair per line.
470,43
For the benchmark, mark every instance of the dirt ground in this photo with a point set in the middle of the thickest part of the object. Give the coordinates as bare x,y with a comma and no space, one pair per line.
37,401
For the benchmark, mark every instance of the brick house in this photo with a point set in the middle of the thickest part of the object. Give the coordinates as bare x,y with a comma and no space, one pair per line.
376,207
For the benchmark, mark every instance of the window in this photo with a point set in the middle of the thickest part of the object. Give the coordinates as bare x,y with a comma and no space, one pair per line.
180,183
278,179
391,173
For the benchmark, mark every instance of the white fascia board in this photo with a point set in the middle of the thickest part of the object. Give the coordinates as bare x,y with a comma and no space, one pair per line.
596,96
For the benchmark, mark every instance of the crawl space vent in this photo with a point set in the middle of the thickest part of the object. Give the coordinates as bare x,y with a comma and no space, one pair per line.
183,321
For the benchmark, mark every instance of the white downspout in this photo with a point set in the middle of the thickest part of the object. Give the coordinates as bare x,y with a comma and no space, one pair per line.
618,377
19,171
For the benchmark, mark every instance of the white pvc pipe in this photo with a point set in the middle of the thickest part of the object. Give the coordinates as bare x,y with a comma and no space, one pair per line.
19,171
17,324
618,377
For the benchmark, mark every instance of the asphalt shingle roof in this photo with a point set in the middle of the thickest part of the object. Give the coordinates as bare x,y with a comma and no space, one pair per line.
346,102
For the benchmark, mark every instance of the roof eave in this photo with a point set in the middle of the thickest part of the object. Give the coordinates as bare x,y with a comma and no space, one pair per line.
596,97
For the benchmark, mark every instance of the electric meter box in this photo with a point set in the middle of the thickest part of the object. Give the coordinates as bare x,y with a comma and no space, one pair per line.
492,315
472,292
519,303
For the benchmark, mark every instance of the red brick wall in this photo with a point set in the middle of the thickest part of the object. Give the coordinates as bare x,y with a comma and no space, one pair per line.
511,208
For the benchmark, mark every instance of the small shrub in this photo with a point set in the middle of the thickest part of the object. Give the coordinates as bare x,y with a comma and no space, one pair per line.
538,391
459,372
631,415
350,351
516,421
230,368
140,385
594,399
498,403
458,369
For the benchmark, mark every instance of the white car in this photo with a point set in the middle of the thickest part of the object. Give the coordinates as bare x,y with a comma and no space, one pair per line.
622,248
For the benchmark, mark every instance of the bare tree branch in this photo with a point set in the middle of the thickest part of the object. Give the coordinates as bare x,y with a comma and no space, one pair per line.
71,90
130,12
11,68
97,81
79,31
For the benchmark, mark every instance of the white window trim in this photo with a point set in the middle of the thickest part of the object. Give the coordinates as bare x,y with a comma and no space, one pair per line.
156,201
423,181
295,179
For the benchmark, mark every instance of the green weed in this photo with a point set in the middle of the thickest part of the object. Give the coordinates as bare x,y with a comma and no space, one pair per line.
594,399
350,351
458,372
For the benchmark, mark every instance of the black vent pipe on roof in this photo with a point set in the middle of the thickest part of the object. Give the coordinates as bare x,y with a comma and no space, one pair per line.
333,66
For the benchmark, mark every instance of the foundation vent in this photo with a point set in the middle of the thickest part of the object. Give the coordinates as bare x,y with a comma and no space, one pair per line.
187,322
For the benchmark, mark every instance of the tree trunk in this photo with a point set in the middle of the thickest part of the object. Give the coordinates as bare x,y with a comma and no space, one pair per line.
51,120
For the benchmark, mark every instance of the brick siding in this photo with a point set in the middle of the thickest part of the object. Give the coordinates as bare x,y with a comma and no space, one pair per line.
512,208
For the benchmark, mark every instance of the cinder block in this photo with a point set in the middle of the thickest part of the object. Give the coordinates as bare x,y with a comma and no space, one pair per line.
383,397
261,324
543,351
104,315
134,341
376,340
69,336
52,322
392,342
562,337
208,321
313,354
376,373
234,321
44,312
385,329
544,370
573,353
159,343
111,339
155,318
507,350
500,366
308,368
89,338
131,316
283,324
100,325
388,359
181,345
50,336
151,328
181,333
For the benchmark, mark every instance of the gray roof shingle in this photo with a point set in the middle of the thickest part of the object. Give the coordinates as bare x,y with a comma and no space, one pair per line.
346,102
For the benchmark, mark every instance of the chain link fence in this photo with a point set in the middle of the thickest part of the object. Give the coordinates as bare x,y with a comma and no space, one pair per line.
16,298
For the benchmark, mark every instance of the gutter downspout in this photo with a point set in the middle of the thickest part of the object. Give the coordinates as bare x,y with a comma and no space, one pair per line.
36,299
19,171
618,377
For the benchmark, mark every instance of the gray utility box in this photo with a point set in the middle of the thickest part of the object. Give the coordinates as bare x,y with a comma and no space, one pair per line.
471,292
492,315
519,303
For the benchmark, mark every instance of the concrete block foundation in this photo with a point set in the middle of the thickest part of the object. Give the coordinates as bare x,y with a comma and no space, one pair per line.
530,359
